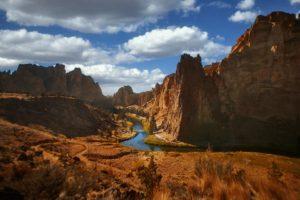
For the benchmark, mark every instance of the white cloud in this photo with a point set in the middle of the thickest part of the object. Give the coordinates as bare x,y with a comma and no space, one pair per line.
243,16
219,4
7,64
112,77
189,5
246,4
23,46
93,16
294,1
212,52
219,38
174,41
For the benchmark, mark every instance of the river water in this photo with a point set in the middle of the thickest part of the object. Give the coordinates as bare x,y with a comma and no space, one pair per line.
138,141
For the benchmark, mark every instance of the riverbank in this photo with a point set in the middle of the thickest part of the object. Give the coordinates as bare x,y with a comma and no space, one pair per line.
126,132
157,139
140,119
127,136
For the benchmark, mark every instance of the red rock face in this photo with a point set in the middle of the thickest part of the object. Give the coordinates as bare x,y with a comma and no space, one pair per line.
262,73
249,100
184,99
144,97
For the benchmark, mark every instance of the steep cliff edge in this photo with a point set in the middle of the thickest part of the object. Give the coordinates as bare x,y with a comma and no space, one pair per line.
38,80
262,73
185,99
249,100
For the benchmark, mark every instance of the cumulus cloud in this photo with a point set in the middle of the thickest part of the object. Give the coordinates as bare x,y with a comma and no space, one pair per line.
219,4
189,5
93,16
243,16
112,77
173,41
294,1
8,64
23,46
246,4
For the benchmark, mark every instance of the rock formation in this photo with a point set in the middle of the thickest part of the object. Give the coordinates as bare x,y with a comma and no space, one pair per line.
249,100
182,97
37,80
125,97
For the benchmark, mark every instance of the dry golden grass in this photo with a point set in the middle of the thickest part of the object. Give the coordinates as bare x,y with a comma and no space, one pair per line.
223,180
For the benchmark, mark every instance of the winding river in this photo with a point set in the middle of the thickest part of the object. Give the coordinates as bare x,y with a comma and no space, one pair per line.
138,141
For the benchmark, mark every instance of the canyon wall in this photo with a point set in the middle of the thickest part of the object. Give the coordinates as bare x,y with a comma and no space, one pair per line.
251,99
37,80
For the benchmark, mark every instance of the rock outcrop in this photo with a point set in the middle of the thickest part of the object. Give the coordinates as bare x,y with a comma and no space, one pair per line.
37,80
126,97
184,99
248,100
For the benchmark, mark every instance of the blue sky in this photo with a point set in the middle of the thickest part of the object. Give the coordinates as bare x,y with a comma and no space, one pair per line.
125,42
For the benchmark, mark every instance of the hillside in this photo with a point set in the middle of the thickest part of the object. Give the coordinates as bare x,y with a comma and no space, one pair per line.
62,115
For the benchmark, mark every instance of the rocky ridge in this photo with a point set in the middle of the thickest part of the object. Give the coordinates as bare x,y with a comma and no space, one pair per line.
53,80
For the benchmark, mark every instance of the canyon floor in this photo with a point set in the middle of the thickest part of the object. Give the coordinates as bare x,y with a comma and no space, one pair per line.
37,164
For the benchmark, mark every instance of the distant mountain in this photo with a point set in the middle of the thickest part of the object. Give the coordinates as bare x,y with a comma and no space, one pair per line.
38,80
125,97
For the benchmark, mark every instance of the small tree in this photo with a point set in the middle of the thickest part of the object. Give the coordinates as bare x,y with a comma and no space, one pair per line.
152,127
275,172
149,177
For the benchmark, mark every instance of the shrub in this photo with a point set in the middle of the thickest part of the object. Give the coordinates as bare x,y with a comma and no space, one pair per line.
149,177
275,173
